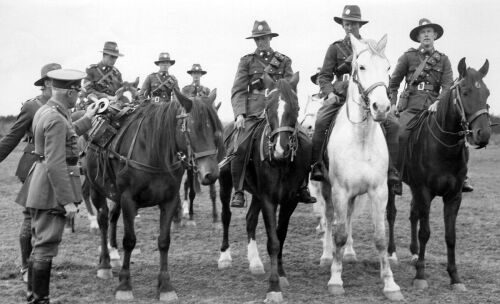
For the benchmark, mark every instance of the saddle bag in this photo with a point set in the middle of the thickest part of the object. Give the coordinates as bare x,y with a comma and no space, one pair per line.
102,132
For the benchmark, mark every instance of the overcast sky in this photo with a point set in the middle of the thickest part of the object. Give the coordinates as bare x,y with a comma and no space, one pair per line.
212,33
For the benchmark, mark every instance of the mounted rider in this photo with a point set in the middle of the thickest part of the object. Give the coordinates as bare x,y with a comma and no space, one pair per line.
248,101
195,88
103,78
337,69
428,77
158,86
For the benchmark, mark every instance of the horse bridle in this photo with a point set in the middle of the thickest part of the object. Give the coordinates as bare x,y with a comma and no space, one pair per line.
190,159
363,92
292,138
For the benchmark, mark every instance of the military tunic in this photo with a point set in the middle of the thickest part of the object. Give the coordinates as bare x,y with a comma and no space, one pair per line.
102,80
337,63
192,90
158,87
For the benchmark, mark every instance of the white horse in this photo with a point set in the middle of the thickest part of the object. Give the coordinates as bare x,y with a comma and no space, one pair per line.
358,163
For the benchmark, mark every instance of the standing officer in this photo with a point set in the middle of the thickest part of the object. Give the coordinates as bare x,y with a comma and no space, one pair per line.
53,186
160,85
247,99
337,66
20,129
103,78
196,89
428,77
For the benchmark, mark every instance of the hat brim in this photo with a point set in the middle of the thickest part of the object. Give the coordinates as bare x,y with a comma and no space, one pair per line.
261,35
115,54
172,62
314,78
41,82
438,28
201,72
340,19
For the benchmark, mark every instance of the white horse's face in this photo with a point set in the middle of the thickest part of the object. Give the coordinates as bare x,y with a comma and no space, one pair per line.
372,69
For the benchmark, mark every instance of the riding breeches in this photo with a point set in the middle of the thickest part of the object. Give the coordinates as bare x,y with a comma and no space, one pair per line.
47,228
25,238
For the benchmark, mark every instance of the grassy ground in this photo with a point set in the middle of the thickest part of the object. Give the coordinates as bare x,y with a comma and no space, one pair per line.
194,253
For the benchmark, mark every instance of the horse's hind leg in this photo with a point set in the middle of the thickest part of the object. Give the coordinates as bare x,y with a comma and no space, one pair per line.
114,214
283,221
391,219
378,198
124,289
104,270
94,226
225,187
254,261
421,207
166,292
213,198
451,207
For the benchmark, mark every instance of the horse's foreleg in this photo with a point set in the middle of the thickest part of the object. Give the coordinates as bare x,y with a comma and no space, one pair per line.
328,214
283,221
340,201
378,197
114,215
252,218
391,219
414,215
349,253
124,289
422,204
213,198
187,185
166,291
451,207
94,226
104,269
225,187
274,293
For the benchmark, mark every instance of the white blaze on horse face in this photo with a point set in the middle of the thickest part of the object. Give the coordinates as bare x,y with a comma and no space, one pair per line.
280,151
128,94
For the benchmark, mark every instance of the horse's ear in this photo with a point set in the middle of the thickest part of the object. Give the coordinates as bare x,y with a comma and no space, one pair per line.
186,103
462,68
268,81
135,84
119,92
484,69
212,96
356,45
217,106
294,80
382,43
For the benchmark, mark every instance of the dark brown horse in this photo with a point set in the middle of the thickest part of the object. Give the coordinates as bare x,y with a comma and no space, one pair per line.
143,167
436,164
279,163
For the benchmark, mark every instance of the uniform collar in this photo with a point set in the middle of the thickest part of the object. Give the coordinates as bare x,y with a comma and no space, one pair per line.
163,73
421,50
347,40
265,53
103,66
61,107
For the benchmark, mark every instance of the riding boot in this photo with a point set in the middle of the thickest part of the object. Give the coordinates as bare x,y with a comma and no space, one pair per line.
324,122
238,199
41,281
303,195
467,187
29,289
25,244
391,131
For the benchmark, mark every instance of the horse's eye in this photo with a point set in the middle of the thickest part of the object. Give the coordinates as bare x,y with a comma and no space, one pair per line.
362,67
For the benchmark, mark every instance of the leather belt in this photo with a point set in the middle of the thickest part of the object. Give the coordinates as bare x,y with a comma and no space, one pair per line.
343,77
423,86
70,161
257,92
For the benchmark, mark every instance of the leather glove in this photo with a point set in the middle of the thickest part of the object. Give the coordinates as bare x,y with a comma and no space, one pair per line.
91,110
433,107
240,122
71,210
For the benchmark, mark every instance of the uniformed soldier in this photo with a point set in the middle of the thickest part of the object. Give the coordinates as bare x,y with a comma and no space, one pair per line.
103,78
53,185
195,88
247,99
337,68
22,129
160,85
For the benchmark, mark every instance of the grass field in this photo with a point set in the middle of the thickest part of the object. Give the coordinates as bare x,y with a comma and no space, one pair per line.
194,252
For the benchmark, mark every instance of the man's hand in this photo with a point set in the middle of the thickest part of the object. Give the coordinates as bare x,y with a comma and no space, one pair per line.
91,110
332,98
71,210
394,110
433,107
240,122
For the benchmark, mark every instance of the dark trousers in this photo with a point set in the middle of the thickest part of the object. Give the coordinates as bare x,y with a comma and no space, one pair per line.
25,238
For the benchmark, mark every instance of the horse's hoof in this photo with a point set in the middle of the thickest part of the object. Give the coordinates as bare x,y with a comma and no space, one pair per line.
284,282
393,258
274,297
420,284
414,259
325,262
349,258
458,287
191,223
116,263
169,297
224,264
104,274
225,260
257,269
394,295
124,295
336,290
68,230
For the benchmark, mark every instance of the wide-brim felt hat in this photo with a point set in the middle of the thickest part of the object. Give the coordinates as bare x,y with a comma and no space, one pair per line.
423,23
351,13
43,73
164,57
261,28
111,48
196,68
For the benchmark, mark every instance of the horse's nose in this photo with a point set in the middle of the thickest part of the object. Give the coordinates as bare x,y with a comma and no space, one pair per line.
209,179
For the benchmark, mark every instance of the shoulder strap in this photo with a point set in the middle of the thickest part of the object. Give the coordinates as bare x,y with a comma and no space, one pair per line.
418,71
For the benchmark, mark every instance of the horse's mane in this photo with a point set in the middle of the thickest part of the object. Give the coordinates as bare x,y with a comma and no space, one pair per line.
288,94
444,106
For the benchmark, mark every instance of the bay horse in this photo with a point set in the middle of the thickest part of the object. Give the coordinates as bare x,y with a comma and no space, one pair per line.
143,167
279,163
435,164
357,164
